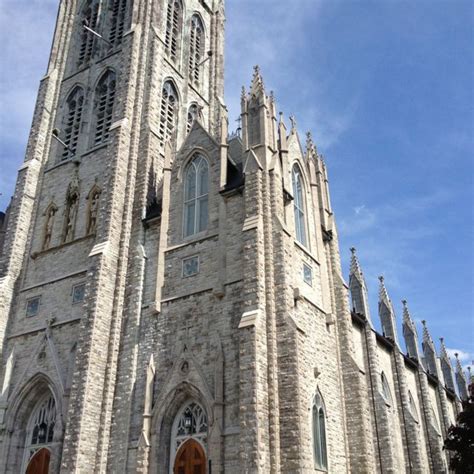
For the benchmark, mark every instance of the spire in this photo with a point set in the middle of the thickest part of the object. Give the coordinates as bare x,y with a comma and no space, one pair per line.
446,367
461,379
429,350
257,86
386,313
410,334
358,288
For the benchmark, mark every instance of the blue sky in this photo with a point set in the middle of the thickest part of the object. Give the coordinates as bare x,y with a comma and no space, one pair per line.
387,89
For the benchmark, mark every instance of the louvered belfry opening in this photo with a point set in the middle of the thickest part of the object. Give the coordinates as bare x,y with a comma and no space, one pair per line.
117,23
168,112
104,105
196,46
174,20
72,123
89,17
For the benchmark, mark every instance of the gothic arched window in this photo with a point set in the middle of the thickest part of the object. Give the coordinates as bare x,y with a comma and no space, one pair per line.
319,433
104,106
298,205
40,429
196,48
196,190
412,405
168,112
386,392
193,112
118,11
72,122
88,17
190,422
174,24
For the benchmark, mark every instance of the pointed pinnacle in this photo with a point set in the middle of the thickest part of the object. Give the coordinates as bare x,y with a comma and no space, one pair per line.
426,333
406,314
257,81
243,93
355,266
383,293
458,365
444,352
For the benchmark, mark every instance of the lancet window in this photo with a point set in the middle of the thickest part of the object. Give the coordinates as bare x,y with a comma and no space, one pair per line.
89,18
40,431
104,106
174,24
298,205
319,433
168,112
196,48
386,393
413,409
196,196
193,112
72,122
117,22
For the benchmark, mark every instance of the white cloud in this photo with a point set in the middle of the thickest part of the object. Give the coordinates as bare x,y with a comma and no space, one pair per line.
464,356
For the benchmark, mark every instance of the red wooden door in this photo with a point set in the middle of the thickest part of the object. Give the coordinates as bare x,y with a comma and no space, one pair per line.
190,459
39,463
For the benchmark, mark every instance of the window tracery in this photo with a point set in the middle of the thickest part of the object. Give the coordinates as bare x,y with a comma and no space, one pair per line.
168,112
191,422
196,196
104,106
319,433
40,429
174,22
299,206
196,48
72,122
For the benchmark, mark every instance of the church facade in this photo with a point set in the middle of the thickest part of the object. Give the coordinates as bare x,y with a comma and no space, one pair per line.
171,296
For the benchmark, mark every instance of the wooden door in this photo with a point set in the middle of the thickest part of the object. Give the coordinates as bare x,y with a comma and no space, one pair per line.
190,459
39,463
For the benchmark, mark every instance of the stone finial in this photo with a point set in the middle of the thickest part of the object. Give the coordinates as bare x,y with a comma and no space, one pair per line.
310,146
355,266
443,351
293,122
257,81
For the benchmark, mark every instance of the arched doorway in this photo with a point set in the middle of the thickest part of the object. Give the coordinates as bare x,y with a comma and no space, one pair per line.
190,459
39,463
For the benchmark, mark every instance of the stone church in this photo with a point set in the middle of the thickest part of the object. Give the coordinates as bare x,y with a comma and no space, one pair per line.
171,295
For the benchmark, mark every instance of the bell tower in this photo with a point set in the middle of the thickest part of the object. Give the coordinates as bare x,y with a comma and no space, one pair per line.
125,80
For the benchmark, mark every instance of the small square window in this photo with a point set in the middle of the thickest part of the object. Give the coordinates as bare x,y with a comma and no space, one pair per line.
32,306
308,274
78,293
190,266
